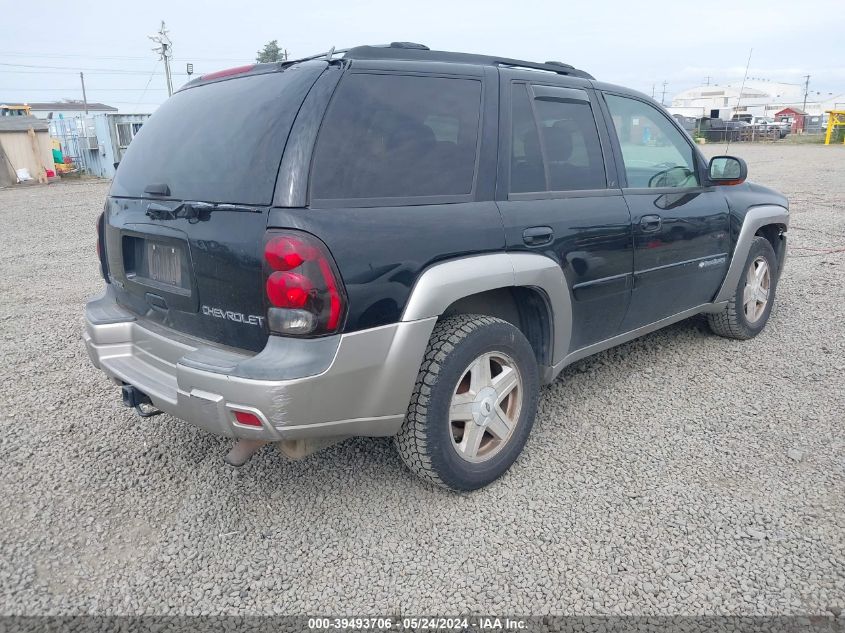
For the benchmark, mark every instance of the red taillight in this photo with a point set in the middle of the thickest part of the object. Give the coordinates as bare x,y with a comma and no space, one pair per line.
247,419
288,290
335,305
100,255
285,253
303,287
238,70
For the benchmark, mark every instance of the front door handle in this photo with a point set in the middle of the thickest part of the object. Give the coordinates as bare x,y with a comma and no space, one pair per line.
650,223
537,235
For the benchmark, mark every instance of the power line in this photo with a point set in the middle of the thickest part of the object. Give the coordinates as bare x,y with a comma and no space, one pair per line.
66,88
143,94
43,69
90,72
85,56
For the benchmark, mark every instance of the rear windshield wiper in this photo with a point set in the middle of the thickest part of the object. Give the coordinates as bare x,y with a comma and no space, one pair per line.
193,211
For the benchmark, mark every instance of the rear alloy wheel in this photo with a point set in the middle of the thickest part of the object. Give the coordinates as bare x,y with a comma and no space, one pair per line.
485,407
747,312
473,404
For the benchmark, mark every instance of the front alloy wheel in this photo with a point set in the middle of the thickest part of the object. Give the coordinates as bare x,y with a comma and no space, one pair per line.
746,313
755,296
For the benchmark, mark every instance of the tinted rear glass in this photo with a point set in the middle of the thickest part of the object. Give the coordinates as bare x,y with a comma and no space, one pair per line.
388,136
221,142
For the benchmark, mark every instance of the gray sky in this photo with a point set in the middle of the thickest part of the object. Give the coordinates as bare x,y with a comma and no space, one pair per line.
635,43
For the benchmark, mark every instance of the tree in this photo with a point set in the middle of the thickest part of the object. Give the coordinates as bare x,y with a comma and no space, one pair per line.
271,53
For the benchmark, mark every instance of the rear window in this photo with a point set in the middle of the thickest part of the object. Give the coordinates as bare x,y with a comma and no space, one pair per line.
221,142
395,136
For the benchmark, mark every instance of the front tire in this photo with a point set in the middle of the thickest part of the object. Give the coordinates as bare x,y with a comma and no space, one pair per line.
473,404
747,312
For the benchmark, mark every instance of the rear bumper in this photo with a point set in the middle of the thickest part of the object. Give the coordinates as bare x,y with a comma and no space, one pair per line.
350,384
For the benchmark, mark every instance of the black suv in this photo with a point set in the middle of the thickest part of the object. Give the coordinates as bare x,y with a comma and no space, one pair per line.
394,241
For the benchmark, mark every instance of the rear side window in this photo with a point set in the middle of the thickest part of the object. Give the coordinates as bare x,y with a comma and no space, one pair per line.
392,136
221,142
555,146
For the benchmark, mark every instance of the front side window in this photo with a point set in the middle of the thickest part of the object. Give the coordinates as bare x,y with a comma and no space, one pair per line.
654,151
559,150
395,136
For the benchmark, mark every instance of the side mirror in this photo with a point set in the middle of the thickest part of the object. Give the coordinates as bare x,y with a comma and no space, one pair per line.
727,170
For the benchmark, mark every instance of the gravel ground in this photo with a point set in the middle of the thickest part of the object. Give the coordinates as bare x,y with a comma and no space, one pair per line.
680,473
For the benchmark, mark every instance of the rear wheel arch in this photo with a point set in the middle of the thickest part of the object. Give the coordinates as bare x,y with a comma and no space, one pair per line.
526,308
526,289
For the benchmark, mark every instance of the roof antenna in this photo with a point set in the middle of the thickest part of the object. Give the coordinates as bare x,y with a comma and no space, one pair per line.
739,98
329,54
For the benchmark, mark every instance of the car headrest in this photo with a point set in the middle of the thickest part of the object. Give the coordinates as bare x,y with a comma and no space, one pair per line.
558,140
532,147
412,136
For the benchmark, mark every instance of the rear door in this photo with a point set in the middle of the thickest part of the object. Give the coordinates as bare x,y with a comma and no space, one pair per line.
402,176
559,197
188,208
680,226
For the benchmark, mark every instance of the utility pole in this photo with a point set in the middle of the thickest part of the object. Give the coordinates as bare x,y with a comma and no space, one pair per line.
707,79
806,91
652,91
165,51
663,96
84,97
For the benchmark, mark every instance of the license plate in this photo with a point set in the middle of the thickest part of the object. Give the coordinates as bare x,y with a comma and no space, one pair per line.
164,264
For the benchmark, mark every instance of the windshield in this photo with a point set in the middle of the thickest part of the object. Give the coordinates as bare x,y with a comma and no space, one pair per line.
219,142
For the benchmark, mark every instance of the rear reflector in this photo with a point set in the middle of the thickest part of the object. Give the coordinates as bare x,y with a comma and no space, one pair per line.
247,419
238,70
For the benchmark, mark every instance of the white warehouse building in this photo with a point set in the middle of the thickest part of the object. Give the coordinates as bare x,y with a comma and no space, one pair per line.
759,98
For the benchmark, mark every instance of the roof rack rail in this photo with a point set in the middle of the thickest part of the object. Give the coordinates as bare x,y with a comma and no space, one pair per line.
410,51
410,46
554,63
327,55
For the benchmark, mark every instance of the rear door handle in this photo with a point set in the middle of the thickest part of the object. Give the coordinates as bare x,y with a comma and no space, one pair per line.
537,235
650,223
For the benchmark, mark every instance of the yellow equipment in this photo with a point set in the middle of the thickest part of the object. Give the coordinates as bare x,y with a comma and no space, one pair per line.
836,119
15,110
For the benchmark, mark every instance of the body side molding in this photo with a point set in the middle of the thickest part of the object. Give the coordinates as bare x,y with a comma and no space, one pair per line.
443,284
755,218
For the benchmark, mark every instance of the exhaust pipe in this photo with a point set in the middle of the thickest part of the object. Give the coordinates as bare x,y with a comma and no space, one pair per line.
242,451
302,448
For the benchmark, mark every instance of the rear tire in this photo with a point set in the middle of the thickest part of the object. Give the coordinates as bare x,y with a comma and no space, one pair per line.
473,404
747,312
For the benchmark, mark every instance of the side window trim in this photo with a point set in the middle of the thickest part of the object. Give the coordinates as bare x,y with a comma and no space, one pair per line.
558,93
401,201
617,148
615,154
